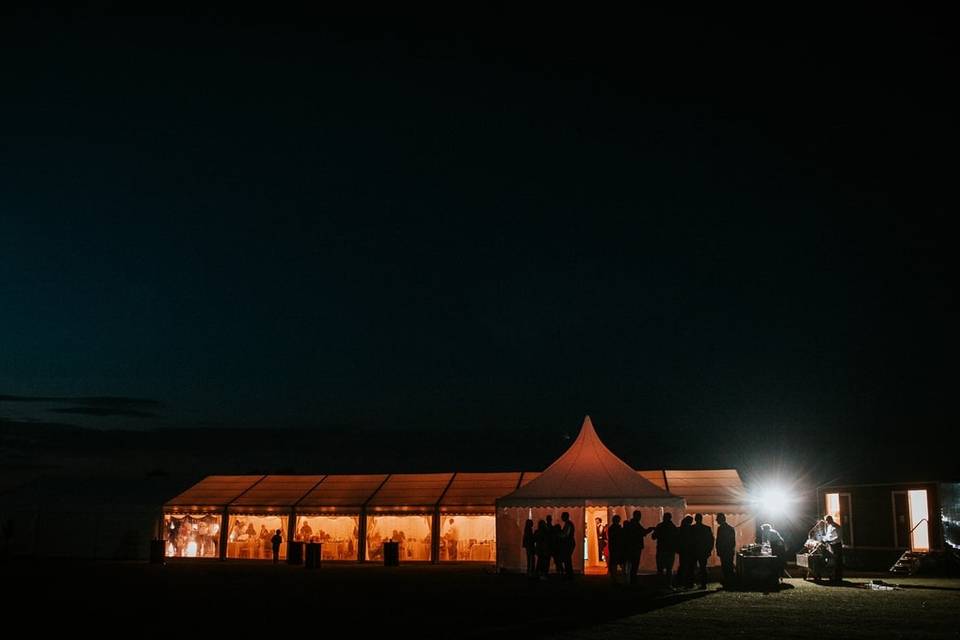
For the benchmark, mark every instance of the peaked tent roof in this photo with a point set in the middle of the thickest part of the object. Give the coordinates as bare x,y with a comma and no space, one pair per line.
588,471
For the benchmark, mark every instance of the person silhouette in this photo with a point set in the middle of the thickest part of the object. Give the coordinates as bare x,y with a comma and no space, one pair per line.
567,545
276,540
554,542
263,549
702,546
306,531
530,546
633,534
667,538
452,539
833,536
778,548
614,546
542,541
726,545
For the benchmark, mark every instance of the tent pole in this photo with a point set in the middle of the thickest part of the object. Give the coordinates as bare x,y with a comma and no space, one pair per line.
291,529
435,533
362,536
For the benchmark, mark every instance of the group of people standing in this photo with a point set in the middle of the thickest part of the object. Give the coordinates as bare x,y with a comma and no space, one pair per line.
828,531
550,541
621,547
692,543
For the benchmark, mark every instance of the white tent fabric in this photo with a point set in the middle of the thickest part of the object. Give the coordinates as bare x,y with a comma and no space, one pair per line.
590,472
587,479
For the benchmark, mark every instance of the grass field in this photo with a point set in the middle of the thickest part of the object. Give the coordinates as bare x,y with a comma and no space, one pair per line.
468,602
922,608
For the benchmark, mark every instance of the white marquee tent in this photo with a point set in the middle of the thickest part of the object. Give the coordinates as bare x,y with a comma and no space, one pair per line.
588,481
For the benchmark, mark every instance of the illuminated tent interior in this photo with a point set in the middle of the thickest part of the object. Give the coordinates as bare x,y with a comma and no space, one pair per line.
588,482
259,512
440,517
468,526
330,514
193,521
403,511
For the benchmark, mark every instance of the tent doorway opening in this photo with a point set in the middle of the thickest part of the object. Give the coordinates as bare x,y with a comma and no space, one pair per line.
594,538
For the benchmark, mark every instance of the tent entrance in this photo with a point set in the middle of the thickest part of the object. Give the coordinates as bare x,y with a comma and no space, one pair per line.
594,556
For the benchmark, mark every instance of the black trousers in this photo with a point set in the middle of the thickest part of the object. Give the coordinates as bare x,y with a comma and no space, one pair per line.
726,563
687,564
665,562
543,564
702,573
837,548
633,565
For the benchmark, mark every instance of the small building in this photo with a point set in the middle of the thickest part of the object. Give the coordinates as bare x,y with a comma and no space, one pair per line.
882,520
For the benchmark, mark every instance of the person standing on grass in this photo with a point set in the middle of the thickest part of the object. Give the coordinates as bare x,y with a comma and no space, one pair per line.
665,534
702,546
726,545
778,548
833,536
276,540
556,546
614,546
634,533
542,542
568,543
530,546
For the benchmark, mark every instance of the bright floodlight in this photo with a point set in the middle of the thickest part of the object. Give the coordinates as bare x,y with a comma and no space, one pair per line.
775,501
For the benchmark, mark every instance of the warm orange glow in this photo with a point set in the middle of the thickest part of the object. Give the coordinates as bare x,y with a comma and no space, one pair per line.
833,506
191,536
468,538
412,532
592,562
919,520
337,533
249,536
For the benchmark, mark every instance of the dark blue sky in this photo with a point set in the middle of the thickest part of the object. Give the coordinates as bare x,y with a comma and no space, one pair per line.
686,222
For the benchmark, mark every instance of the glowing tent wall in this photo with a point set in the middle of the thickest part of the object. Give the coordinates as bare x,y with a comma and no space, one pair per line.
710,492
510,523
586,478
263,510
333,514
338,534
403,510
348,513
194,521
468,529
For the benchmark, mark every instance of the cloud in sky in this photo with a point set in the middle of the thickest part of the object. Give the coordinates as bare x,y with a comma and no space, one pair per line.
86,410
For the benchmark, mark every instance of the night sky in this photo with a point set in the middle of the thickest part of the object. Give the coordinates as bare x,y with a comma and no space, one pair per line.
684,225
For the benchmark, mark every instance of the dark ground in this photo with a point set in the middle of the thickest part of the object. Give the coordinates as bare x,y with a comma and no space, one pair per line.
464,602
